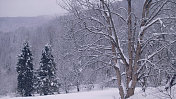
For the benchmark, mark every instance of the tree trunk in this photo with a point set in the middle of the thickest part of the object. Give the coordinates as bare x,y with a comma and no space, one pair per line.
120,87
130,92
77,86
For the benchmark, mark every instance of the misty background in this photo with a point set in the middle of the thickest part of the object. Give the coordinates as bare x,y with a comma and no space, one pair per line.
41,22
29,8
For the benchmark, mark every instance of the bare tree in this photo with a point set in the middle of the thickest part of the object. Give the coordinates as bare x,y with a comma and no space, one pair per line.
124,24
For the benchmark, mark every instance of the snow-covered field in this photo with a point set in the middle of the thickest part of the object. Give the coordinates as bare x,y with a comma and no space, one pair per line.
101,94
111,93
154,93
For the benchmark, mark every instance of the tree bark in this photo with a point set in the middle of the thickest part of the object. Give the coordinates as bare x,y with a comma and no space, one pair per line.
120,87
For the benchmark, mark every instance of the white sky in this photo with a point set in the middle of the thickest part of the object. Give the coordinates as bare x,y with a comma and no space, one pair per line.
20,8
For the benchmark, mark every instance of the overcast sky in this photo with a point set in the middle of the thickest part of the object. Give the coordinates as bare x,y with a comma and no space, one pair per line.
16,8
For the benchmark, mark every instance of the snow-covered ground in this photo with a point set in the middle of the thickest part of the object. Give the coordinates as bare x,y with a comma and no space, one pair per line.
154,93
111,93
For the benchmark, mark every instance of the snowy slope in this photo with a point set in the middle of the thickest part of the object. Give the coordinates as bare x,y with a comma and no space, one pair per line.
102,94
154,93
112,93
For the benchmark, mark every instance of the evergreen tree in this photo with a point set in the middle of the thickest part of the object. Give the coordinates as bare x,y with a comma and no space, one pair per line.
47,83
25,71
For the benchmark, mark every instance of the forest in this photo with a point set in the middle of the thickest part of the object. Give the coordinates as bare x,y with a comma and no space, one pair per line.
98,44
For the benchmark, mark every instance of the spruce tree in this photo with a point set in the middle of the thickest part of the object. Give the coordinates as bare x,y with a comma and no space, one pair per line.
47,83
25,71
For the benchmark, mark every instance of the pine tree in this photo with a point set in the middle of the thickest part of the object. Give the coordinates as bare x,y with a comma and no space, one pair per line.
47,83
25,71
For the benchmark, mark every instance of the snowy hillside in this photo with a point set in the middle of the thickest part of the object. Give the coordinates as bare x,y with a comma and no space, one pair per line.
102,94
9,24
112,93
